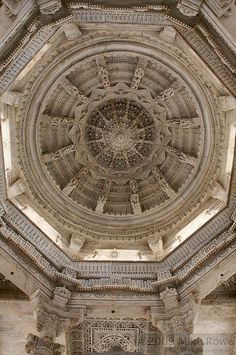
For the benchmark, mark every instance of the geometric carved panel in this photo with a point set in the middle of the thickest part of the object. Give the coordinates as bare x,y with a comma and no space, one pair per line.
101,336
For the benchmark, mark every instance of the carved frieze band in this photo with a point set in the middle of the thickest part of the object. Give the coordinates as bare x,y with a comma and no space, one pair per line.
36,42
163,277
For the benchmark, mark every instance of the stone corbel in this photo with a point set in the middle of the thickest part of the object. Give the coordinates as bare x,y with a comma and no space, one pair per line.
155,243
189,8
11,98
53,315
10,7
76,243
227,103
17,188
168,34
72,31
49,7
163,325
176,323
218,192
169,298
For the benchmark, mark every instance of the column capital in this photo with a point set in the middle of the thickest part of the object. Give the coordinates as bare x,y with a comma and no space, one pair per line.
54,315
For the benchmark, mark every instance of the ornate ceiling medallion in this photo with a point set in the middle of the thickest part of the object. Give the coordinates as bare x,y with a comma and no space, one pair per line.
122,136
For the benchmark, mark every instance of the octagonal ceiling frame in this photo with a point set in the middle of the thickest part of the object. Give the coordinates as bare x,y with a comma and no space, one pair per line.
41,256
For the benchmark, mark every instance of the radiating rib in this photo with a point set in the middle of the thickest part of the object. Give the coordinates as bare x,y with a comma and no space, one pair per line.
103,196
47,157
138,74
183,157
183,122
170,91
71,185
72,90
163,183
134,198
56,120
103,71
165,94
104,76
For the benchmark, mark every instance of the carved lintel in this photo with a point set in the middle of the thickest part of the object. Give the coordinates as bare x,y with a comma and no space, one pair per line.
183,157
163,183
72,90
103,196
71,185
69,272
47,157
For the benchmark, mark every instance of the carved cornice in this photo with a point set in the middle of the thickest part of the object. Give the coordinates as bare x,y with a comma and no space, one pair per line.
85,13
164,277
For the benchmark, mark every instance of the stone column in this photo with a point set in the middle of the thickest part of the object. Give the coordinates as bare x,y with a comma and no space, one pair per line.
176,324
53,317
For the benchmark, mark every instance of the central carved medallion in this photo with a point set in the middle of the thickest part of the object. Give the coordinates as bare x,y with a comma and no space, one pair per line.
120,134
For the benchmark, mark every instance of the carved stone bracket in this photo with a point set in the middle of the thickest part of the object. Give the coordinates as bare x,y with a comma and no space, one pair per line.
53,315
176,324
189,8
42,346
155,243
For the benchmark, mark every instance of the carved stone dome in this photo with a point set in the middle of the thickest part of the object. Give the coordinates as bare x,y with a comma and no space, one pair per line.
118,138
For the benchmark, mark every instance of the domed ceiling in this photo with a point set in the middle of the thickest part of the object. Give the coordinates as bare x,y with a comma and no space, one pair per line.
122,140
117,138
